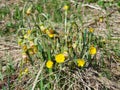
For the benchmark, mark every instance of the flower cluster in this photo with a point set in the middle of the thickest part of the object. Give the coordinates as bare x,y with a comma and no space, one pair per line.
27,43
58,47
50,32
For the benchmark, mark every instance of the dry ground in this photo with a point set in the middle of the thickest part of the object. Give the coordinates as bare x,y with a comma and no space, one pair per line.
9,47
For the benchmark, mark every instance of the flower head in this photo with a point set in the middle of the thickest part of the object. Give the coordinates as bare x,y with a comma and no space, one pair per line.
31,52
49,64
92,50
29,32
100,19
24,48
23,72
35,49
50,33
91,30
60,58
81,62
66,7
28,12
42,28
26,36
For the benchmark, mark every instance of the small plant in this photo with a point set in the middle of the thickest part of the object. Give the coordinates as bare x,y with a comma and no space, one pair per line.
65,45
74,47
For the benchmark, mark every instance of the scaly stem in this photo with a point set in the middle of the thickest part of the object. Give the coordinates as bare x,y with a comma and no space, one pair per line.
66,32
65,21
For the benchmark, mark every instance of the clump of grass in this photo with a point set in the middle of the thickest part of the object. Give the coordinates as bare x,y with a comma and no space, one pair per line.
68,49
62,53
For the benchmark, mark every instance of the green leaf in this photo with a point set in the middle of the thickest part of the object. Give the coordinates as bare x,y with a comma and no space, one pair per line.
101,3
1,76
30,58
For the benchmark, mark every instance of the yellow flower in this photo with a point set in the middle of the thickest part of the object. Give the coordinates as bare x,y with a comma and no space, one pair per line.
49,64
101,19
81,62
60,58
92,50
47,31
28,12
42,28
26,36
29,32
91,30
24,47
23,72
31,52
66,7
50,33
35,49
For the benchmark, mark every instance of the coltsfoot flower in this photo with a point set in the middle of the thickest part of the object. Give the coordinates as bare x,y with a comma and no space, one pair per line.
23,72
42,28
92,50
91,30
101,19
29,32
26,36
49,64
35,49
66,7
24,48
28,12
50,33
60,58
81,62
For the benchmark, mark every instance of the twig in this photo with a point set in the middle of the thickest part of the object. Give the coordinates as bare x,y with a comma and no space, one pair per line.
91,6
